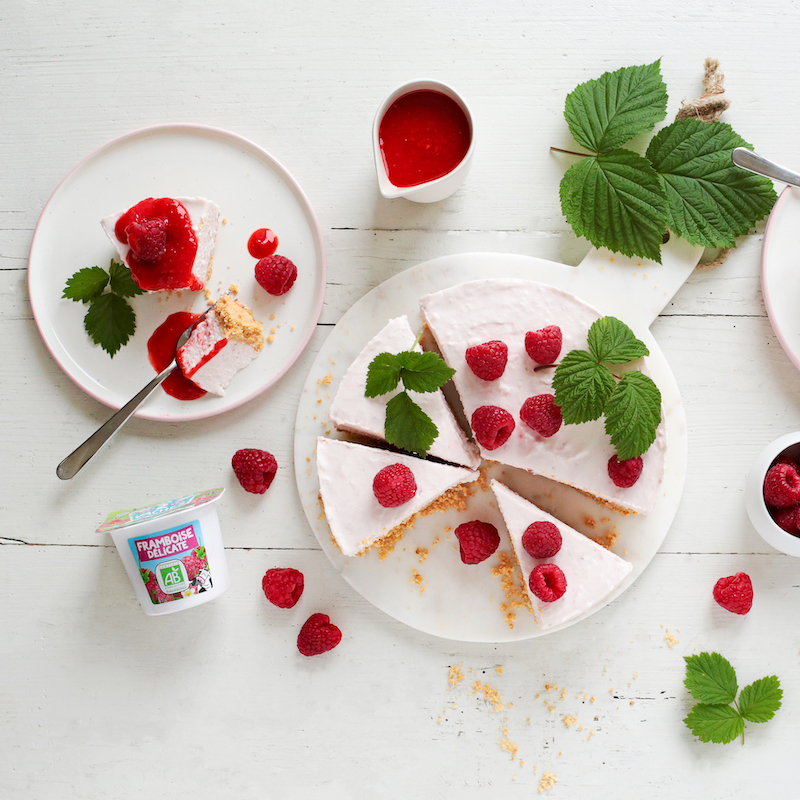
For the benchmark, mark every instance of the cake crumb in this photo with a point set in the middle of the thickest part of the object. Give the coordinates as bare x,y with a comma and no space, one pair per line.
548,781
506,744
492,695
233,288
455,677
272,316
513,586
498,670
224,220
417,578
589,521
270,338
422,553
326,380
569,720
670,639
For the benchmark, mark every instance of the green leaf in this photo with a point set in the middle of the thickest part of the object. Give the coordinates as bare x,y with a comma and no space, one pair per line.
760,700
616,200
408,426
710,678
86,284
383,374
633,413
423,372
711,200
122,282
582,387
715,723
611,110
110,322
613,342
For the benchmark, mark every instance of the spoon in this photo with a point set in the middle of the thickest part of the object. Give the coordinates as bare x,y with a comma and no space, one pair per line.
747,159
75,461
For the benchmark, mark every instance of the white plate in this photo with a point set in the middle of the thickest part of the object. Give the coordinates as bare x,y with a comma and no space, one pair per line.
253,190
780,276
454,600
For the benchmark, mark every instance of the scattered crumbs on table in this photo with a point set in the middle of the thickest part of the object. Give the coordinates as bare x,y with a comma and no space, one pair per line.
292,328
670,639
491,695
224,220
547,781
569,720
417,579
455,677
333,362
271,338
325,381
272,316
422,552
506,743
499,670
319,402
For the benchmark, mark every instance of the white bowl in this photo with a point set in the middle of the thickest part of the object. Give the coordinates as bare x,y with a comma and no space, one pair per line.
431,191
757,509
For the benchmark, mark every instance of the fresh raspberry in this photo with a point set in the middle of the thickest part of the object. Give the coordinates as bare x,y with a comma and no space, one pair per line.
541,539
782,486
492,426
283,587
276,274
488,360
735,593
478,540
148,238
195,562
544,346
318,635
786,518
394,485
624,473
255,469
547,582
541,414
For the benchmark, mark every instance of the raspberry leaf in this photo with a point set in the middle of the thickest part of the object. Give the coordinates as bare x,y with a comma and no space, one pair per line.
423,372
383,374
760,700
616,200
715,723
710,678
122,282
611,110
582,387
86,284
633,413
408,426
110,322
612,341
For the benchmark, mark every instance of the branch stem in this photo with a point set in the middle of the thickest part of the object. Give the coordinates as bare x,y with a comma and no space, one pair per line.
571,152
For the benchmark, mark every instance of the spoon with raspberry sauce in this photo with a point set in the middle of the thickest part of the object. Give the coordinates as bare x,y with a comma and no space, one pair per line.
75,461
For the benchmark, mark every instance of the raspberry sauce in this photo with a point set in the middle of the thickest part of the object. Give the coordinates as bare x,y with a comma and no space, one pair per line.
262,243
172,268
423,135
161,351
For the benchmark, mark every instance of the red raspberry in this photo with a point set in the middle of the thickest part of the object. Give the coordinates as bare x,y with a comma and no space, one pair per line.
283,587
318,635
478,540
276,274
492,426
394,485
541,540
148,238
195,562
786,518
782,486
488,360
624,473
255,469
541,414
735,593
544,346
547,582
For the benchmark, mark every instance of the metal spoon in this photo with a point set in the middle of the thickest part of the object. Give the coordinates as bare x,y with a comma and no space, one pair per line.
747,159
75,461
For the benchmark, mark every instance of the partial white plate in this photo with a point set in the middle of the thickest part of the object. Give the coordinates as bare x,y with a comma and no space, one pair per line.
435,592
253,190
780,271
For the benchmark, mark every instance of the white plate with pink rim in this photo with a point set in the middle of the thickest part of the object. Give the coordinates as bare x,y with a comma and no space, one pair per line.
253,190
423,582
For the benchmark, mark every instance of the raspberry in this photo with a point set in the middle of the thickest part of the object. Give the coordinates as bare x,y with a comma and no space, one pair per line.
782,486
544,346
735,593
541,414
195,562
148,238
786,518
541,540
283,587
624,473
478,540
492,426
255,469
318,635
276,274
394,485
488,360
547,582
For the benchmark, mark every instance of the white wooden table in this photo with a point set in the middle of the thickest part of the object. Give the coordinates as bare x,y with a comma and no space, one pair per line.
99,701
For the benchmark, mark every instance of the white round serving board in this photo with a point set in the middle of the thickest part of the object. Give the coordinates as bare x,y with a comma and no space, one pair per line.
436,593
252,189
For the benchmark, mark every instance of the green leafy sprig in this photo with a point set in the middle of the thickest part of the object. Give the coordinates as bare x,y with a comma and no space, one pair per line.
719,716
110,321
587,389
407,426
623,201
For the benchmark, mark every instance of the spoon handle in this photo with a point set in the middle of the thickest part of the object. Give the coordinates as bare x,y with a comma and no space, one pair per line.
75,461
753,162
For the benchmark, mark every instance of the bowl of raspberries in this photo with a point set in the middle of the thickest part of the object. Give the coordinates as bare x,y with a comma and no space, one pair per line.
772,494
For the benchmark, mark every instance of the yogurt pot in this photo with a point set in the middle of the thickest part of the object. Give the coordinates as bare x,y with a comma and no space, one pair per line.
172,551
438,188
